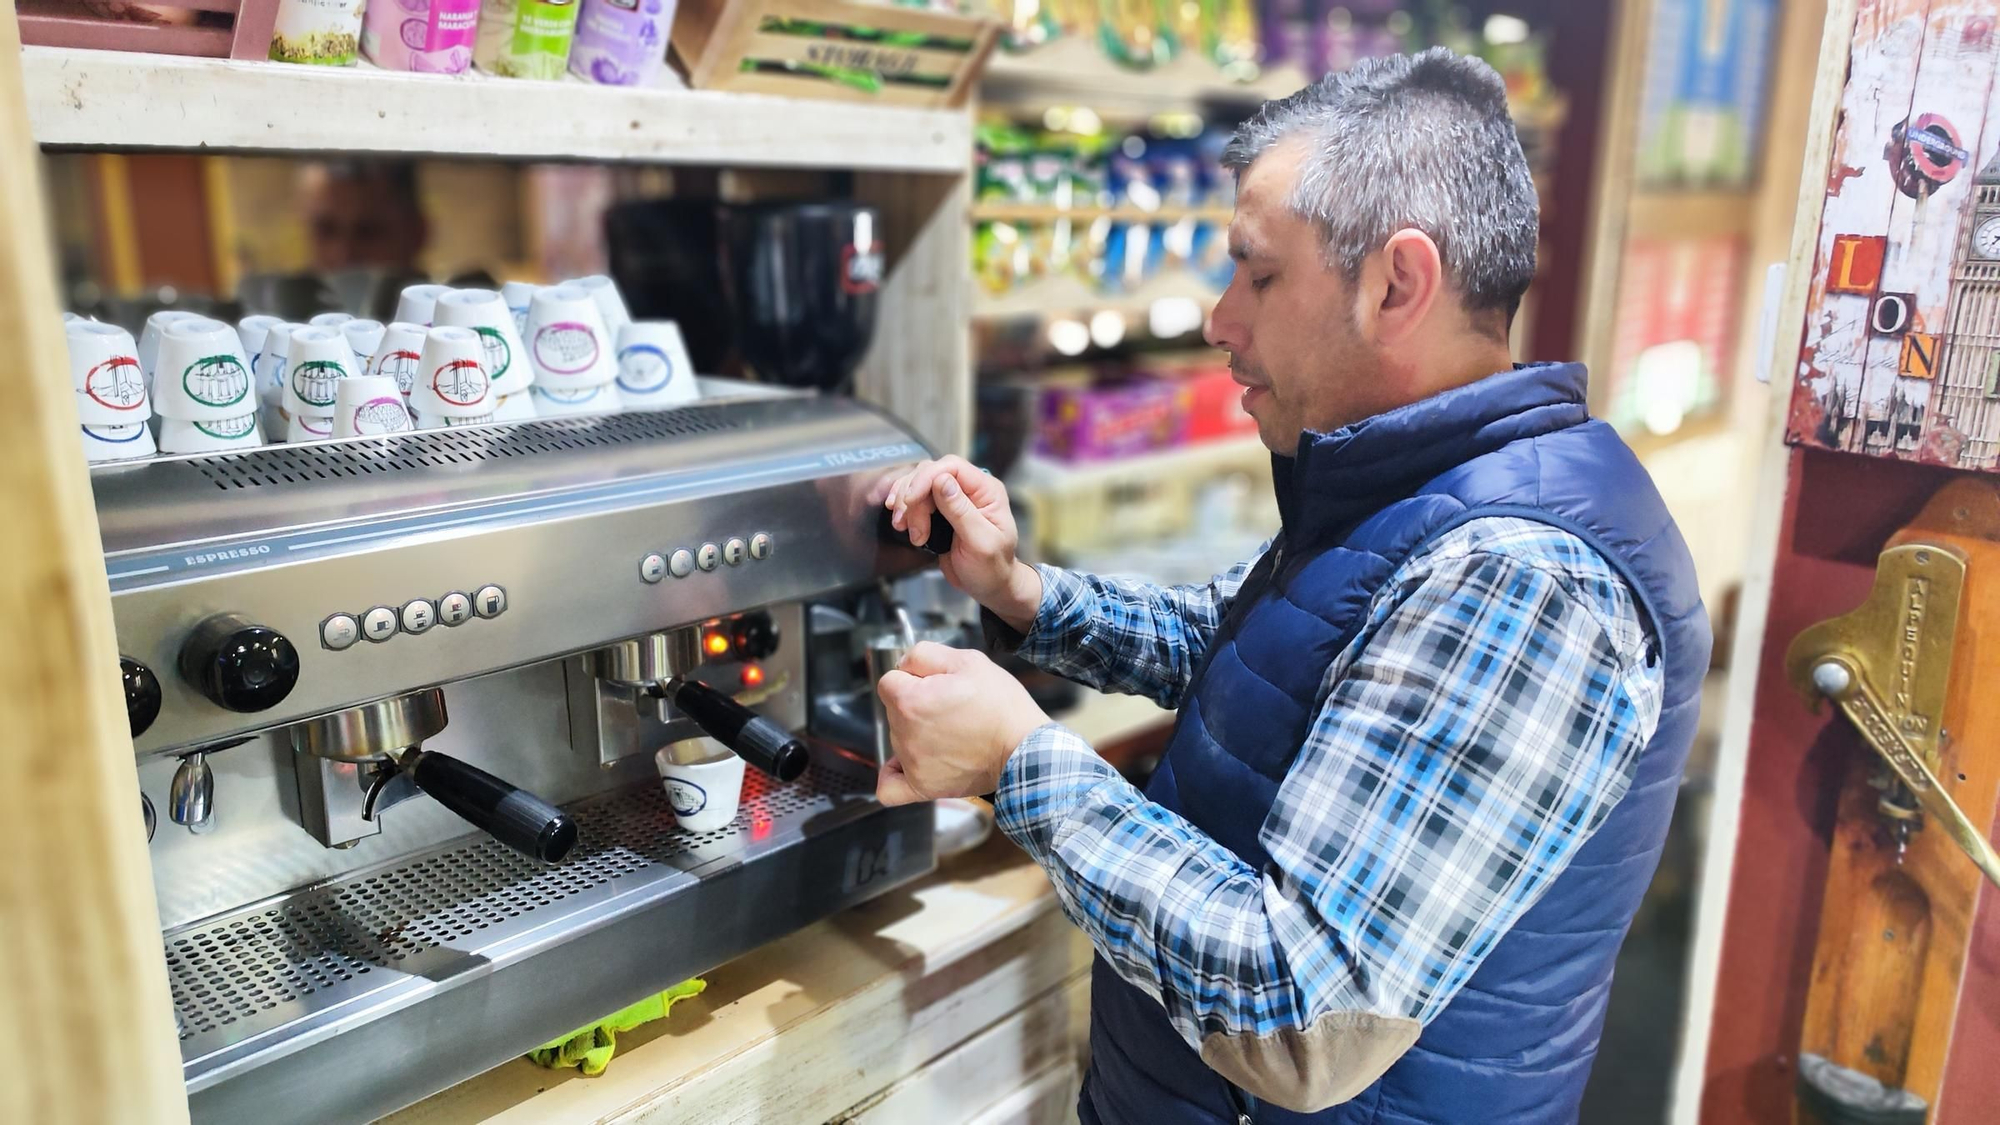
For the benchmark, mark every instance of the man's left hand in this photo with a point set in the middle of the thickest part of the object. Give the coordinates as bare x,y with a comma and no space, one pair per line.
954,719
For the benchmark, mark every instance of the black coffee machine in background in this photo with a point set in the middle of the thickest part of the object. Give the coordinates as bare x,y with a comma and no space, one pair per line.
787,290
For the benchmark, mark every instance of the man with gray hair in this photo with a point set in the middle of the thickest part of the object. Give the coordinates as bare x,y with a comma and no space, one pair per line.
1429,739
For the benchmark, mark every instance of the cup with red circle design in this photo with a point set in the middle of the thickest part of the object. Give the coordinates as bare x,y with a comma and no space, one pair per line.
451,378
105,373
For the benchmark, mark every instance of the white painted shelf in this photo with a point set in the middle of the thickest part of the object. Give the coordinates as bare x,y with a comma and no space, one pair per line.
113,99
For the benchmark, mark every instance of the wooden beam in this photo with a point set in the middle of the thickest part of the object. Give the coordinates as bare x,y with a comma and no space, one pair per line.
83,984
920,367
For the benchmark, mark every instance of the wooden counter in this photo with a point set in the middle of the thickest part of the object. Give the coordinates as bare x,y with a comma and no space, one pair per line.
961,999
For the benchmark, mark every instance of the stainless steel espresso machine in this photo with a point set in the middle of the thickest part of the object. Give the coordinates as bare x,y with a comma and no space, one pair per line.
395,703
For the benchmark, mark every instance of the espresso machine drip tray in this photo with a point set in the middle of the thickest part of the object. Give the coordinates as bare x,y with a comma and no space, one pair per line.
352,998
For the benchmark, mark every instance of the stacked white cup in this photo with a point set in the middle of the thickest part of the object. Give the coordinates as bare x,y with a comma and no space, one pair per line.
111,401
654,371
452,388
273,358
365,337
485,312
203,390
610,301
317,360
517,294
571,350
330,319
417,302
399,355
149,338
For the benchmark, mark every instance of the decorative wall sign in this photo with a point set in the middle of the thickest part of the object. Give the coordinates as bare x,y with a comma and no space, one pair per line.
1901,352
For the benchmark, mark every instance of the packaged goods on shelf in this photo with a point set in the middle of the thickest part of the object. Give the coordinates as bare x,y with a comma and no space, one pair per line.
1119,420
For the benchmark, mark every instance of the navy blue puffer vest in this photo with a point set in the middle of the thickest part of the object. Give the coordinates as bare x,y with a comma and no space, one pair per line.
1517,1042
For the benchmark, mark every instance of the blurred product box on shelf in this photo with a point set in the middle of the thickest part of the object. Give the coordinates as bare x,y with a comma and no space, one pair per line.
1700,115
1215,406
1119,420
214,29
839,49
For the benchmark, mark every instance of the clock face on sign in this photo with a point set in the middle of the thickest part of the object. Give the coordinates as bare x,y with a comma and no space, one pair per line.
1986,238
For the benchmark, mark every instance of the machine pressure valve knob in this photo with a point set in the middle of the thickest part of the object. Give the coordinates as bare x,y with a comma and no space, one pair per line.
239,665
142,694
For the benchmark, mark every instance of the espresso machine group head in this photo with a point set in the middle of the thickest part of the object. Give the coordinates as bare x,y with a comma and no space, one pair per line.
509,620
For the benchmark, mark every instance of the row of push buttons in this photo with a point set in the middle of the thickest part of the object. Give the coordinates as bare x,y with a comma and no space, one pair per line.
708,556
342,630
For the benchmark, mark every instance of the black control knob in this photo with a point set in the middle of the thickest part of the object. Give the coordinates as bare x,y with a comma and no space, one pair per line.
239,665
142,694
756,637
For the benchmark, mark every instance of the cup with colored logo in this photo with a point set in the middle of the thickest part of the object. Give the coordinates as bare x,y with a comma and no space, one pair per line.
308,427
272,365
654,370
104,371
555,402
201,374
451,378
178,435
318,360
149,338
365,338
369,405
568,345
440,422
401,351
704,783
117,443
417,303
254,329
485,312
610,302
517,294
330,319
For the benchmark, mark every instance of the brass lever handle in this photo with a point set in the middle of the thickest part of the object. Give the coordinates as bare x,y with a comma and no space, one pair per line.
1839,681
1902,637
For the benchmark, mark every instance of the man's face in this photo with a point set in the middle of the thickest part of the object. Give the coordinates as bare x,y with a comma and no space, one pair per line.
357,222
1288,320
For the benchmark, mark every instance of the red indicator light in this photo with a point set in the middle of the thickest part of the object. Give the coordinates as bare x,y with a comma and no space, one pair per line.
716,644
753,675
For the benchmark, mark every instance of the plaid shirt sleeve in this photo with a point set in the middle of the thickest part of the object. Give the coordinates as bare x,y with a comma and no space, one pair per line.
1125,636
1482,724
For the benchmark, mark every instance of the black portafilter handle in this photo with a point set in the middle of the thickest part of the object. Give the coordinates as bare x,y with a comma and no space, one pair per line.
512,815
751,736
938,544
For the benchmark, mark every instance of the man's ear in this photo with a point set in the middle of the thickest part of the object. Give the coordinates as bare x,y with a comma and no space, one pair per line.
1412,281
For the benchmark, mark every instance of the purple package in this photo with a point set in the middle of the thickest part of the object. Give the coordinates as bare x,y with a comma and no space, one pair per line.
621,42
427,36
1096,423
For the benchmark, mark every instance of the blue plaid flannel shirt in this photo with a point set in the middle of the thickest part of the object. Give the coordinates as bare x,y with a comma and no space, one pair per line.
1398,856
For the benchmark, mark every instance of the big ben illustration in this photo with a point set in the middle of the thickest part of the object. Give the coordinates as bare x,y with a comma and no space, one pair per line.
1968,389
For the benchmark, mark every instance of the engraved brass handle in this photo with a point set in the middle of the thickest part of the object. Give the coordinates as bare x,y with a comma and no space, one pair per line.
1900,638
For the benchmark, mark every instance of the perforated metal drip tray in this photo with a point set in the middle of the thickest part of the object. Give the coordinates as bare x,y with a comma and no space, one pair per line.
424,973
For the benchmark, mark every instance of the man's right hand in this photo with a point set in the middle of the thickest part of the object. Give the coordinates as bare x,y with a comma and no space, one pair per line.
982,560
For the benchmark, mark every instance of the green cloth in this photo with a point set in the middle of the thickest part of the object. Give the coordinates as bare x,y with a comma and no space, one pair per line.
590,1048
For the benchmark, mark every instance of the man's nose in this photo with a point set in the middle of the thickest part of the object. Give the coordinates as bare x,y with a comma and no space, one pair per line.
1223,330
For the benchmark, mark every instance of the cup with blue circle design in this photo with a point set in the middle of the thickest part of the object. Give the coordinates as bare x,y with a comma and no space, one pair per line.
654,370
703,782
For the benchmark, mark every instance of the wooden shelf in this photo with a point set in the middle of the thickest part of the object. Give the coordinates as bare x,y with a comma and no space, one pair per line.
1199,460
1000,211
1074,71
1069,294
110,99
1669,213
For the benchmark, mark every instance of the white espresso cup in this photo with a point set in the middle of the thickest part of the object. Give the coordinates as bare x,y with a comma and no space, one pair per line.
441,422
178,435
704,783
485,312
400,354
517,407
117,443
104,372
330,319
367,405
568,344
610,301
365,338
253,330
201,373
149,337
451,378
308,427
555,402
416,303
517,294
319,358
653,366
